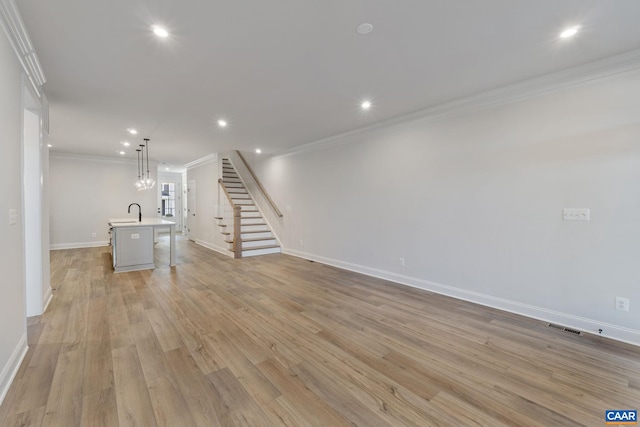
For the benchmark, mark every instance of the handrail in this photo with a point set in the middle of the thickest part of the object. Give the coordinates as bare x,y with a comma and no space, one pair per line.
237,218
255,178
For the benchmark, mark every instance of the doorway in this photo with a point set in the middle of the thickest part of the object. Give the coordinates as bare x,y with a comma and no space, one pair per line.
170,203
34,206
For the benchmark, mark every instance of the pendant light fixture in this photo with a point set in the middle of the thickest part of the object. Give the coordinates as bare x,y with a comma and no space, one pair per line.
144,182
139,184
149,182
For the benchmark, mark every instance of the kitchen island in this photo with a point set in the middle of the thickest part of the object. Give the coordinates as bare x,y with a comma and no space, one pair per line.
132,243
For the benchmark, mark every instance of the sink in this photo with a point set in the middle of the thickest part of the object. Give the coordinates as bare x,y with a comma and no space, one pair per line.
133,221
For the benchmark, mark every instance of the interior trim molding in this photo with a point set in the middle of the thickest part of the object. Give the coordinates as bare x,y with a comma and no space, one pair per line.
202,161
591,326
48,296
593,71
215,248
13,26
118,160
13,364
78,245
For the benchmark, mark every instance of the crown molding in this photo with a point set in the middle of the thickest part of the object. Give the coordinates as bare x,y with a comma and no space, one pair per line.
593,71
202,161
85,157
13,26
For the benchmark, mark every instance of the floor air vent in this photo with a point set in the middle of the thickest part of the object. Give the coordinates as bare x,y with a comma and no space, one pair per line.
562,328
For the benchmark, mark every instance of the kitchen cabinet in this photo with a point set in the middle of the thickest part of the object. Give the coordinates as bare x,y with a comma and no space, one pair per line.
132,243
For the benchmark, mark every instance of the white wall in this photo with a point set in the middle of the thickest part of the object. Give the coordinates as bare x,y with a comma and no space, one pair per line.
13,326
473,204
206,232
86,191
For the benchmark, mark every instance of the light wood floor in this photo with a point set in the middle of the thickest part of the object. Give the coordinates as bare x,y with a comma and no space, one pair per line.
279,341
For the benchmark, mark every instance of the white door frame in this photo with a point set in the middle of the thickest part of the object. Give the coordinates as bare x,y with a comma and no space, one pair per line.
177,215
191,209
37,280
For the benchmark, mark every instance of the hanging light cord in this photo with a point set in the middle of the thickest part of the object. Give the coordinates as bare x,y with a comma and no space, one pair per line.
146,143
138,151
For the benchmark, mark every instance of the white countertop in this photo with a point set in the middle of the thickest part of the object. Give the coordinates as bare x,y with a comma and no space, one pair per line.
133,222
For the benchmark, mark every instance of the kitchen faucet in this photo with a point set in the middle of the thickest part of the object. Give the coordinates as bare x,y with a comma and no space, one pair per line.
139,211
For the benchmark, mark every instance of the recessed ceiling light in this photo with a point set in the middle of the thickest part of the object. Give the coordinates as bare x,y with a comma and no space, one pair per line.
222,123
49,145
166,169
365,105
122,153
132,131
258,151
569,32
364,28
160,31
125,143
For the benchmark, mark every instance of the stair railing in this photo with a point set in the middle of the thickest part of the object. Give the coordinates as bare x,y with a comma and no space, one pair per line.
231,214
259,184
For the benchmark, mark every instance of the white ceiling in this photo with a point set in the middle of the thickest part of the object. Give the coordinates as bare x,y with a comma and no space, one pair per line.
289,72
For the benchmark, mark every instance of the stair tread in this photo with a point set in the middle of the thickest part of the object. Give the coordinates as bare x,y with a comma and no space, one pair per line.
255,248
255,239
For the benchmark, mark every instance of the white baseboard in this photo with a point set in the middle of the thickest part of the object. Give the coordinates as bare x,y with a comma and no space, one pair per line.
48,296
221,250
592,326
78,245
13,364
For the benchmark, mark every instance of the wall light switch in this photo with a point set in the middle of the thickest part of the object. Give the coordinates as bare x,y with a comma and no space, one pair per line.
576,214
622,304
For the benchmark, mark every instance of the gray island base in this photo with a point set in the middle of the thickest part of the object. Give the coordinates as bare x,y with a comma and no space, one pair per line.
132,243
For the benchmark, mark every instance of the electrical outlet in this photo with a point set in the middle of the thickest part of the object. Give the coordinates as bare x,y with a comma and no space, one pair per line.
94,235
135,236
301,242
622,304
402,262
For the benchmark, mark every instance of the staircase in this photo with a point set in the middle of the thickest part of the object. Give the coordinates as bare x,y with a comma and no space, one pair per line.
255,234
